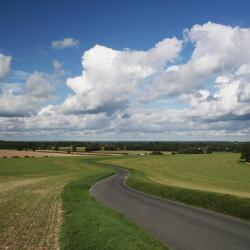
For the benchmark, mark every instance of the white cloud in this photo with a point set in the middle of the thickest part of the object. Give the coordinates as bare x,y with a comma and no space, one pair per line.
39,85
106,99
67,42
5,62
26,99
218,49
110,77
231,100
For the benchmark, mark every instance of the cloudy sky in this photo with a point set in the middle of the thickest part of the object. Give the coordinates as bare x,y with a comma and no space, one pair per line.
128,70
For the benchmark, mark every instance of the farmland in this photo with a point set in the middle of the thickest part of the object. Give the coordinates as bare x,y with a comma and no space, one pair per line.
218,172
19,153
45,204
219,181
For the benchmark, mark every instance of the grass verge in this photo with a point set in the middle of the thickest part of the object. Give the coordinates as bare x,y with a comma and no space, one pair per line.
222,203
88,224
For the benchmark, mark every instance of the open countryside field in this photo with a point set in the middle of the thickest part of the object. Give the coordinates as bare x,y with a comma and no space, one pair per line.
218,181
39,212
217,172
19,153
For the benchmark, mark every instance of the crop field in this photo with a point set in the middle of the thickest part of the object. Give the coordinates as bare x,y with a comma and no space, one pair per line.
18,153
38,212
217,172
30,202
218,181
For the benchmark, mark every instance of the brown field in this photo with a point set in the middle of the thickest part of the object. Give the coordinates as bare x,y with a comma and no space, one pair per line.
17,153
30,200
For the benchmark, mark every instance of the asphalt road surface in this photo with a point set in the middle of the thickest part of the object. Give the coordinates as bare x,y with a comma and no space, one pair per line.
179,226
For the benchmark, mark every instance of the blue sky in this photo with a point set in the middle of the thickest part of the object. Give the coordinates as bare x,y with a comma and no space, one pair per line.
28,29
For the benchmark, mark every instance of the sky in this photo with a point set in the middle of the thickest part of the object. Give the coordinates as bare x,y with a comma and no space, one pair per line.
125,70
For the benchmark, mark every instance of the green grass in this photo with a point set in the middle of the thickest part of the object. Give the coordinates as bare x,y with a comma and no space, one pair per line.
90,225
219,182
33,193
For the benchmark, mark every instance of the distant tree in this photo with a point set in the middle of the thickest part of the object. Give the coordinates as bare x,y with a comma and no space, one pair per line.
110,147
73,148
245,152
92,148
56,147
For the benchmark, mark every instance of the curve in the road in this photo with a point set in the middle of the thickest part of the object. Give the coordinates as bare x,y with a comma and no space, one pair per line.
179,226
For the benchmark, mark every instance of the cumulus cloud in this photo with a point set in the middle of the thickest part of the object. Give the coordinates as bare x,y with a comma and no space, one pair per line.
229,102
67,42
39,85
5,62
218,49
26,99
151,94
110,76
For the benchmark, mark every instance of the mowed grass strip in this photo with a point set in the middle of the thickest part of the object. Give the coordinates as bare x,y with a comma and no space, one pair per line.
219,182
90,225
31,205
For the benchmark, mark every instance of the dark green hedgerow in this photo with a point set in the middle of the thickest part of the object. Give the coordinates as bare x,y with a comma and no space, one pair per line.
88,224
222,203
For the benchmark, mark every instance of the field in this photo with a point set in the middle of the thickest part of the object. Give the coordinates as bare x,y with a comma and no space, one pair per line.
18,153
45,204
218,172
218,181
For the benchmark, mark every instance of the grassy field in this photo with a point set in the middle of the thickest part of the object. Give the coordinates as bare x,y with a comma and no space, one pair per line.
217,181
218,172
39,212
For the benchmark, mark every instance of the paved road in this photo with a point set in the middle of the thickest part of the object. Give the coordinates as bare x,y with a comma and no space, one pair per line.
179,226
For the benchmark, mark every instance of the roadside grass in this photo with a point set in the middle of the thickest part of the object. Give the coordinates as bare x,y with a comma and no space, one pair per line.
218,202
90,225
31,214
218,182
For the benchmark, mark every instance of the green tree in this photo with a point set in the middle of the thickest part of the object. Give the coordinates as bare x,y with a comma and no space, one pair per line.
245,152
73,148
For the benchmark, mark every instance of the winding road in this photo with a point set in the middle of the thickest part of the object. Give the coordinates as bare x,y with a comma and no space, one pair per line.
179,226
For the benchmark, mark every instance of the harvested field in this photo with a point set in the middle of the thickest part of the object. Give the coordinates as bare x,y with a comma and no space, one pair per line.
17,153
45,204
30,201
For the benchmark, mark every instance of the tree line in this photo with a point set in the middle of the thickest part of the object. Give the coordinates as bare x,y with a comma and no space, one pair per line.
181,147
